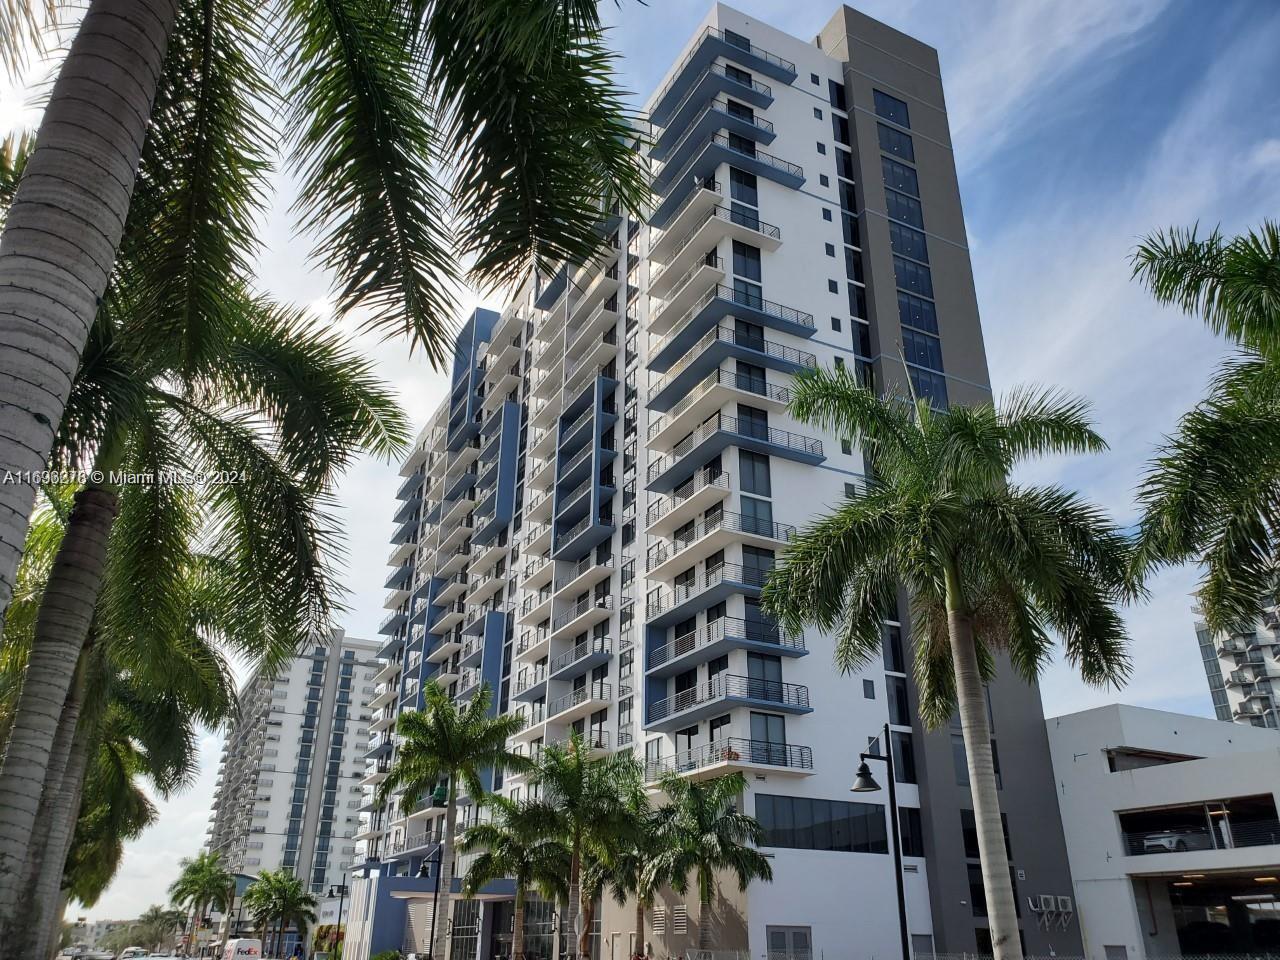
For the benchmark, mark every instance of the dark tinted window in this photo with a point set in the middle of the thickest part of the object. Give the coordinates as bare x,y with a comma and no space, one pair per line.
913,276
899,206
801,823
912,833
891,108
922,348
896,142
908,241
899,176
742,187
836,94
918,313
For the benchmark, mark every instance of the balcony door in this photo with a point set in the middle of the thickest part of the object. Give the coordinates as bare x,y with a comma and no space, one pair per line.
768,738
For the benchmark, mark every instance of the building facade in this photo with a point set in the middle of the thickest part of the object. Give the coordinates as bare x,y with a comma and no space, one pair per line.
1172,830
588,520
287,790
1243,670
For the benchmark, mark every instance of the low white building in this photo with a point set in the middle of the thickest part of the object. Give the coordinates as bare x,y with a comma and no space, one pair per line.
1172,832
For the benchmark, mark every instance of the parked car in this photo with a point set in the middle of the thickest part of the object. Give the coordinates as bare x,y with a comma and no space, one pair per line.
1182,838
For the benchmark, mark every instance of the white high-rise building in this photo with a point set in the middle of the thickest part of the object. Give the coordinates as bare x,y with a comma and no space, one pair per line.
587,521
1243,670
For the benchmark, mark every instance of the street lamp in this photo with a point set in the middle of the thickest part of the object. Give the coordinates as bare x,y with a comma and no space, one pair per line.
341,894
864,782
435,896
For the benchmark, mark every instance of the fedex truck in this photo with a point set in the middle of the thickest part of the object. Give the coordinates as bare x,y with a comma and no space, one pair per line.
242,950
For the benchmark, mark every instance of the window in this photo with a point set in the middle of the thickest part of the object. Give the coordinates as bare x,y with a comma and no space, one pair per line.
826,214
788,942
835,93
740,110
738,75
817,113
969,830
757,516
911,832
869,689
743,187
901,207
846,447
822,148
904,757
922,349
918,313
824,180
930,386
801,823
891,108
850,490
899,176
899,712
893,659
835,324
833,287
896,142
840,129
813,78
844,165
737,40
912,276
746,261
908,241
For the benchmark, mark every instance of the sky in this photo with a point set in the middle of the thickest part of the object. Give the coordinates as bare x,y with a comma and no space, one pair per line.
1079,127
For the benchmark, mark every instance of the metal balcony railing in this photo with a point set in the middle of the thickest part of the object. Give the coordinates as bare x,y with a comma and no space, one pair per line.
584,524
706,477
581,567
746,382
717,630
732,750
746,340
1257,833
583,650
785,167
726,572
732,685
578,609
765,55
742,298
591,691
732,522
809,446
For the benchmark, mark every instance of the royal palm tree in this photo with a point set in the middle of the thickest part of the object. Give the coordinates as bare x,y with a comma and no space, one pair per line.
628,867
279,897
521,841
157,926
202,883
700,833
491,124
1211,492
592,797
988,565
445,744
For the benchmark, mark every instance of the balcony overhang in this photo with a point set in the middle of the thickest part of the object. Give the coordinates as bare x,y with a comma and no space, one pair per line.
717,346
712,45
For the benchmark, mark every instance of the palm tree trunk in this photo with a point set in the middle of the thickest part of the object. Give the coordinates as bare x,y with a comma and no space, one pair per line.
444,876
60,240
588,917
704,922
640,911
62,627
517,925
65,812
971,699
575,891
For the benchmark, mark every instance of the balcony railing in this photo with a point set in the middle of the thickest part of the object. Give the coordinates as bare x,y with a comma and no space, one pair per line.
809,446
591,691
724,573
743,298
581,567
740,217
706,477
765,55
732,685
717,630
749,341
732,522
581,652
1257,833
746,382
583,606
784,167
732,750
583,525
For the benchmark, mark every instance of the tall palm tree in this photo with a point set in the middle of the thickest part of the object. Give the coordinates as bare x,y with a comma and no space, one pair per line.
988,564
202,883
700,832
1211,492
156,927
279,897
445,743
489,125
628,867
592,797
522,842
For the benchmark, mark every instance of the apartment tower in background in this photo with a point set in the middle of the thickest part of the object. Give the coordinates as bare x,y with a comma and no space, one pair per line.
587,521
1243,670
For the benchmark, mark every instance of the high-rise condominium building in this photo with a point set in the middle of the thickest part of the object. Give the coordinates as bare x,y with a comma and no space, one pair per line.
1243,669
588,520
288,784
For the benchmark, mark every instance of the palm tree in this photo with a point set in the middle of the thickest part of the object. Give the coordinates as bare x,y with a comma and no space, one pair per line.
157,925
278,896
204,882
445,743
988,565
700,832
628,867
592,797
1210,492
522,842
515,103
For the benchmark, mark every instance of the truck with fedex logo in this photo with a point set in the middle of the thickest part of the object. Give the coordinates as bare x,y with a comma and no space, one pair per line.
242,950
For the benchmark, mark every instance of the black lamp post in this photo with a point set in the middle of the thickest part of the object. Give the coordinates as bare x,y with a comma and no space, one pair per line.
435,896
342,894
864,782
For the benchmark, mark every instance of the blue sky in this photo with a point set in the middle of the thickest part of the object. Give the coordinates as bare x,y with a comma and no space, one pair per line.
1079,126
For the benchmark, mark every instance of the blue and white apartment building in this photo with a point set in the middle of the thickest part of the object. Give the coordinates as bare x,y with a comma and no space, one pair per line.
588,519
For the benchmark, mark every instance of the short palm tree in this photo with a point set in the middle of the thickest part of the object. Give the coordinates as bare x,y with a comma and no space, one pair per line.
988,565
447,744
156,927
417,132
202,883
1211,492
629,867
278,897
520,841
701,832
592,797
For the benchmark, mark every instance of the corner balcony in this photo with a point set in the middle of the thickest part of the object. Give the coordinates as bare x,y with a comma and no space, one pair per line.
710,535
386,693
534,715
454,537
537,538
537,573
452,588
538,506
582,576
577,432
715,304
531,684
580,374
603,319
598,288
449,645
670,146
711,45
722,693
572,506
449,618
401,552
485,555
542,474
543,443
673,469
707,194
716,346
392,622
578,468
717,638
449,562
705,488
580,703
400,576
485,586
574,663
706,157
717,223
722,386
668,606
582,537
536,607
532,645
582,616
407,509
734,755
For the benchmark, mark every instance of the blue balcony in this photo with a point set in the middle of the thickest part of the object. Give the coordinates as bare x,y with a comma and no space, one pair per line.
383,749
675,151
579,467
706,49
669,606
407,509
550,290
721,302
721,431
582,658
716,346
714,83
706,156
410,485
392,622
724,692
400,577
668,657
574,434
391,647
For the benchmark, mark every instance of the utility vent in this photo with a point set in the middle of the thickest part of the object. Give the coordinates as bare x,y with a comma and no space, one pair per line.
679,919
659,921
